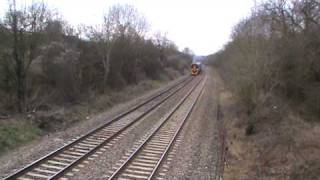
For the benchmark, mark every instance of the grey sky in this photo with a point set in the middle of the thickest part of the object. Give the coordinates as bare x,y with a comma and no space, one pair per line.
202,25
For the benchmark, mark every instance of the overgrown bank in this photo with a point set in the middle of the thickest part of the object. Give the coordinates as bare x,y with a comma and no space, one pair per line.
22,129
53,74
271,66
276,52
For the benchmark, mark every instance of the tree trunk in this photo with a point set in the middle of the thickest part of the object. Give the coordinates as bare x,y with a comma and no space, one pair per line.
106,66
19,69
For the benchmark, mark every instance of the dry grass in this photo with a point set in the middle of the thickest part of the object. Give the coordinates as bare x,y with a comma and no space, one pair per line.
14,133
284,146
22,129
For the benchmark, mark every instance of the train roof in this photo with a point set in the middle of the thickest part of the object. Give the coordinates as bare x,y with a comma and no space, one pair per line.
196,63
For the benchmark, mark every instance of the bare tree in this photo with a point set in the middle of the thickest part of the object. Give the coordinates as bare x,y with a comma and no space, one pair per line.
26,26
162,43
43,56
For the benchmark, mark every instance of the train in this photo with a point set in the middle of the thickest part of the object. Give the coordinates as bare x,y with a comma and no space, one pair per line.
196,68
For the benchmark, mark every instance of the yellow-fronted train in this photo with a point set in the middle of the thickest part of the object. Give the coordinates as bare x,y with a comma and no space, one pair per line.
195,69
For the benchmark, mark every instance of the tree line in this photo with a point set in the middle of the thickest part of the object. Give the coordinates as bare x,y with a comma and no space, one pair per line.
275,52
44,59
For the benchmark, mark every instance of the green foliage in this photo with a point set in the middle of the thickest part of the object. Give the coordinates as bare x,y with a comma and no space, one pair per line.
51,62
17,133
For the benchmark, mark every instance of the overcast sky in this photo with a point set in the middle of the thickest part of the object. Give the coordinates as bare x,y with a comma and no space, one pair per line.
202,25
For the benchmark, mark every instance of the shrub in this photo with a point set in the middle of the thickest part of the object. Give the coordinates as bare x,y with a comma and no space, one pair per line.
16,133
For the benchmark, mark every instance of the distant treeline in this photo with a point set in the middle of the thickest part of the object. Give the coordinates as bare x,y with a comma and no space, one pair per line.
43,59
276,53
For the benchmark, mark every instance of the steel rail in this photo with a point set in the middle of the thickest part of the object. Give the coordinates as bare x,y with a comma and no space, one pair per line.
31,166
77,161
169,115
175,135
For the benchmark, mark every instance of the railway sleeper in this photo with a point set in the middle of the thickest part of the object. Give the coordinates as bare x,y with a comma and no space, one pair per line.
149,157
142,164
140,168
57,163
133,176
153,150
62,159
44,171
146,161
138,172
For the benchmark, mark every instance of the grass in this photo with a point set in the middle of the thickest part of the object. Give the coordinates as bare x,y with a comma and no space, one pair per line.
281,145
13,134
112,98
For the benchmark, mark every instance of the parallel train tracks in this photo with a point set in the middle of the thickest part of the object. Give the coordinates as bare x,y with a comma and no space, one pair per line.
145,160
56,164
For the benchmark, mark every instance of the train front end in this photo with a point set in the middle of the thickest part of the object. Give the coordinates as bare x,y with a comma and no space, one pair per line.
195,69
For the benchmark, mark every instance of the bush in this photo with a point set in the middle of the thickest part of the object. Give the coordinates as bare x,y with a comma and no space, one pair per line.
16,133
58,65
271,54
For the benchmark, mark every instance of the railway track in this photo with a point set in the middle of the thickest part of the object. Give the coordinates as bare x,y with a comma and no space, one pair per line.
56,164
144,161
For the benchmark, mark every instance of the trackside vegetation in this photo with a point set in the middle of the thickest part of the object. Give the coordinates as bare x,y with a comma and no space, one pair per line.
272,67
275,52
51,71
